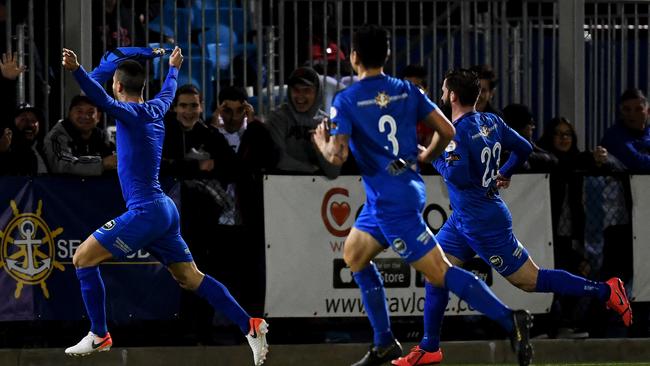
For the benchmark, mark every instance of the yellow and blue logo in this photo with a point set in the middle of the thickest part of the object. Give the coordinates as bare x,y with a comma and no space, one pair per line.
27,250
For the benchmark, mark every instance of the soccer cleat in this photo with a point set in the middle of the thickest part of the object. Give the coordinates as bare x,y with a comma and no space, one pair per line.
257,340
618,300
378,356
91,343
520,337
419,357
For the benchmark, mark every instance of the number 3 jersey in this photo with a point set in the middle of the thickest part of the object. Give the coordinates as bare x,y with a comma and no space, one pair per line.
470,165
380,114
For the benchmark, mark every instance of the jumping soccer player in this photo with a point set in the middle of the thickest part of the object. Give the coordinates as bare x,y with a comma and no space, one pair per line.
377,117
481,223
151,221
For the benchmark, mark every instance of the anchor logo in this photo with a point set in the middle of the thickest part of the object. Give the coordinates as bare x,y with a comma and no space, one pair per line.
27,249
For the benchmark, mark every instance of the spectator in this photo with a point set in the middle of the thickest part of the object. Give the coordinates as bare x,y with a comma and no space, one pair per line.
253,148
417,75
292,123
76,145
10,71
520,119
629,139
572,253
190,148
489,83
21,148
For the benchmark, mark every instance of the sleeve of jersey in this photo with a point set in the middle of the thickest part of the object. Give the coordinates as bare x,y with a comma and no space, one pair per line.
519,147
425,105
98,95
165,97
453,164
341,124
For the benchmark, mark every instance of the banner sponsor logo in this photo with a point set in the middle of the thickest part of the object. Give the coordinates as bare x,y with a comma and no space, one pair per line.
27,250
335,211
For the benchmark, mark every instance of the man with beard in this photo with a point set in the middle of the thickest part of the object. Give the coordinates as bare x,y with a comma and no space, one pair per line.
76,145
21,146
292,123
375,118
481,223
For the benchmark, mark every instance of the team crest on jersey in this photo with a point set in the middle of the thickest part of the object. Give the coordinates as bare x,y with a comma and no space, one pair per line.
399,245
382,99
451,147
496,261
332,112
484,131
27,249
109,225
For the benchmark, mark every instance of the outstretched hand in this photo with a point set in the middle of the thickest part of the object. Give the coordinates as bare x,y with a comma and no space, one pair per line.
176,58
69,60
9,66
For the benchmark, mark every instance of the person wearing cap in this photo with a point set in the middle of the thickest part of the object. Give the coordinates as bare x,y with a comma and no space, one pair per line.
520,119
76,146
292,123
24,154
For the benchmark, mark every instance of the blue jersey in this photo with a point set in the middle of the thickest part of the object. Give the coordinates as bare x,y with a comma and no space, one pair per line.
470,165
380,114
140,135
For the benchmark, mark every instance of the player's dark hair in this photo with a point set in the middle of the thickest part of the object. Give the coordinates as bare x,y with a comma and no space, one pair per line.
633,93
485,72
415,71
371,45
465,84
235,93
132,76
187,89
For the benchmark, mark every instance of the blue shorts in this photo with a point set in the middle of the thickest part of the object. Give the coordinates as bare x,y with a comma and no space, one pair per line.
500,249
406,232
153,226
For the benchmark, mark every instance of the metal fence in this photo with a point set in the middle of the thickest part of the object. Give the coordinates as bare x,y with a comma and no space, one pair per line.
258,43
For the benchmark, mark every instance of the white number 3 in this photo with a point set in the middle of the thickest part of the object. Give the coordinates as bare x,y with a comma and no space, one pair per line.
392,125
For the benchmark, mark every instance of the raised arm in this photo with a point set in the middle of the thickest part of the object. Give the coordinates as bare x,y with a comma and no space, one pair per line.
165,97
93,90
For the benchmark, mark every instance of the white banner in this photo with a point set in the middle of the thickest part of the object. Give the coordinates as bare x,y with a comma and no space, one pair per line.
641,236
308,218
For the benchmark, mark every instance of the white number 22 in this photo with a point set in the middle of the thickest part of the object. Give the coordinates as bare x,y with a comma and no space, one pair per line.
486,156
392,126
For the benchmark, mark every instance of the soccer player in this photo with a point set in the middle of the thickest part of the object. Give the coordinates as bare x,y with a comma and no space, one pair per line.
376,118
481,223
151,221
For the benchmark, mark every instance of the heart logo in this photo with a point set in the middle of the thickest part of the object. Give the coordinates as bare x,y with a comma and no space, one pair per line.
340,212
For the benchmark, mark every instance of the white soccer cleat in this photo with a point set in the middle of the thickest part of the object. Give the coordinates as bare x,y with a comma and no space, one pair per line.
91,343
257,340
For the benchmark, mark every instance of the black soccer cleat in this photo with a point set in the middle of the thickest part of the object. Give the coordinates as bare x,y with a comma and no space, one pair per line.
520,337
378,356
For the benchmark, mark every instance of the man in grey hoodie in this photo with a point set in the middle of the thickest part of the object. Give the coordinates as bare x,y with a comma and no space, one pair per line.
291,125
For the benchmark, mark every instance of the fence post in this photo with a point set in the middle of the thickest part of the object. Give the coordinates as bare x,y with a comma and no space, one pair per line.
78,37
572,64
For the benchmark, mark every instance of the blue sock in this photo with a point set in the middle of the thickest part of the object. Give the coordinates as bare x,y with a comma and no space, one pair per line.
374,301
219,297
477,295
564,283
435,302
94,296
